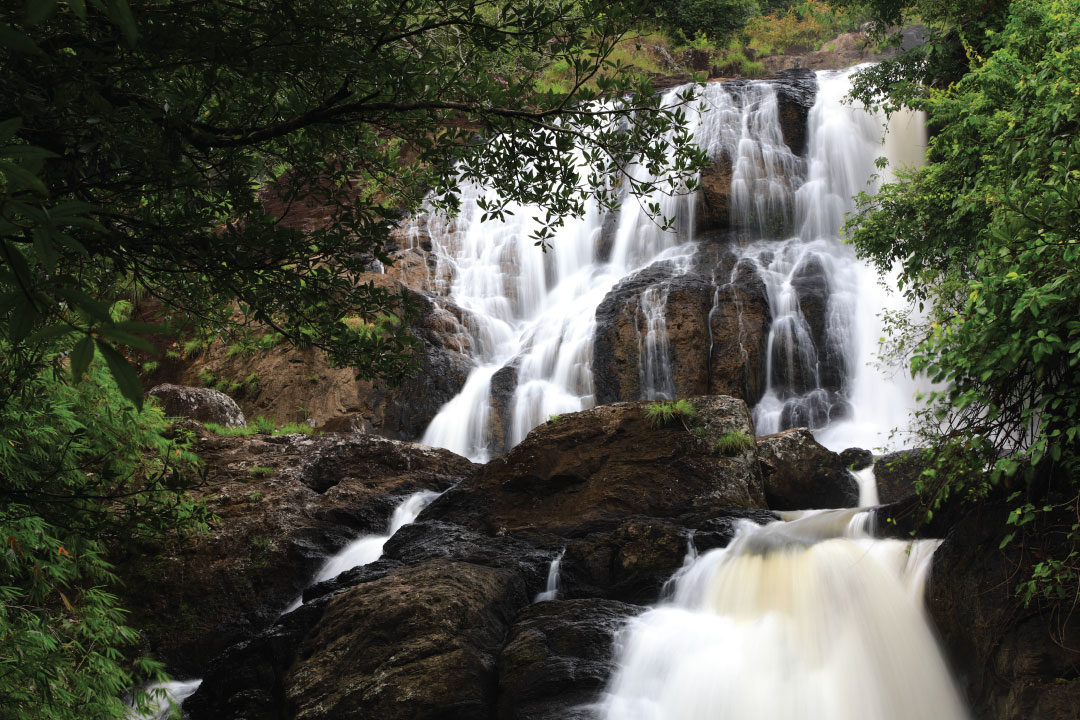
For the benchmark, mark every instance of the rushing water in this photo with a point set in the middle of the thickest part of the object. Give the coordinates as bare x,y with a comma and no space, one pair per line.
805,619
534,314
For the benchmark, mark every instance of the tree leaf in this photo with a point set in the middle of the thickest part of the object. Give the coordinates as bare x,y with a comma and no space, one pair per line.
81,356
123,373
38,10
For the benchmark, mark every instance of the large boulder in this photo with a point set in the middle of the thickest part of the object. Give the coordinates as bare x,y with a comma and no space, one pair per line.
283,504
606,463
1012,660
800,474
419,643
198,403
715,329
557,657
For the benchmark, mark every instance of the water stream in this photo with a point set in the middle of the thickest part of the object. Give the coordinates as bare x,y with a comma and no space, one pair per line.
809,618
534,314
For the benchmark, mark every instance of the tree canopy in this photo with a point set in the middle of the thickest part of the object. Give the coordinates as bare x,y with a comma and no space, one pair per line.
141,143
987,239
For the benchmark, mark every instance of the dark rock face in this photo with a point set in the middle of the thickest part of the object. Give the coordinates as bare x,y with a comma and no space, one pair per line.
1012,661
418,643
503,384
800,474
198,403
896,474
557,657
603,464
285,503
796,91
716,319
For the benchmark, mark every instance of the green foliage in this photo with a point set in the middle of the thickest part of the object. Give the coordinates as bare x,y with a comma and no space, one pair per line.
803,26
260,426
716,19
733,443
165,146
662,414
986,238
260,471
248,386
81,470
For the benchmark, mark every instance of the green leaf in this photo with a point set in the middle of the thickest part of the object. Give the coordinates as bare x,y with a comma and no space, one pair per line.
38,10
120,13
81,356
124,374
14,40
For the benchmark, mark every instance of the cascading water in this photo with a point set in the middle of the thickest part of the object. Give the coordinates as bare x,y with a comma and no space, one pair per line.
809,619
820,360
534,313
369,548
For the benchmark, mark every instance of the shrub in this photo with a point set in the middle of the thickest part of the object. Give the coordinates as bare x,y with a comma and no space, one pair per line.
662,414
734,443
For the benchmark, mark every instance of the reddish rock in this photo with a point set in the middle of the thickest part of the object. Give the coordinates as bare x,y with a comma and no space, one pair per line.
801,474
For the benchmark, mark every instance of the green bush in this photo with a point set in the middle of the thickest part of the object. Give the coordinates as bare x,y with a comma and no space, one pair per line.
81,471
718,19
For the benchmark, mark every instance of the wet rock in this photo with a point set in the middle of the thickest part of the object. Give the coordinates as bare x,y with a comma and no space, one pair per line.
607,463
629,562
897,473
284,504
418,643
198,403
800,474
1012,661
796,91
716,317
503,385
557,658
714,198
856,458
739,321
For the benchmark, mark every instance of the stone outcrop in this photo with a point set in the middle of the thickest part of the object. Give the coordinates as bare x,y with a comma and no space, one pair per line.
198,403
716,321
604,464
796,90
800,474
557,657
442,625
283,504
416,644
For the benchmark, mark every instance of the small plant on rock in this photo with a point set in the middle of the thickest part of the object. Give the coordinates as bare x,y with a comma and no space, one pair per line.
734,442
663,414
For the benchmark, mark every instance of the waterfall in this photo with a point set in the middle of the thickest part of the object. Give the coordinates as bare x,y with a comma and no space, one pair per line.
551,591
810,619
165,698
829,377
369,548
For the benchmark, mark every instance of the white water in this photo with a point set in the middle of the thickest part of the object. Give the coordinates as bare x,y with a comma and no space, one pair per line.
551,591
860,405
810,619
369,548
166,697
535,312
